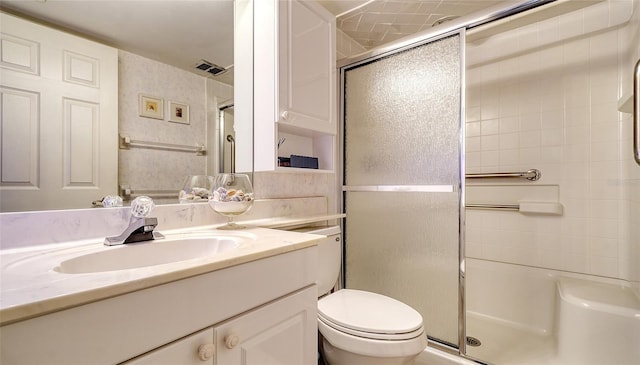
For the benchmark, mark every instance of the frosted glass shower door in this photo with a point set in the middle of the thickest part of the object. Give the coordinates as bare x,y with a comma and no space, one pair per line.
402,180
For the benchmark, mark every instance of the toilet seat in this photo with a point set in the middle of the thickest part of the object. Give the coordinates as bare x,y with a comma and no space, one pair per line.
369,315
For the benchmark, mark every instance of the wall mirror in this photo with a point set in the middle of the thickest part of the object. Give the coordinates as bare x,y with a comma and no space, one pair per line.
175,69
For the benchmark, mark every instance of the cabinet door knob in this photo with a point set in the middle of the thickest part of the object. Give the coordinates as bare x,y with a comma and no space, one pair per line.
206,351
231,341
284,115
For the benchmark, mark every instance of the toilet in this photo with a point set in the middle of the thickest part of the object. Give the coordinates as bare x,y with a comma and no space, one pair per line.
359,327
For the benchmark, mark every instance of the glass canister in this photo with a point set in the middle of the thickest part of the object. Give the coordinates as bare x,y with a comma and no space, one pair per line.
196,189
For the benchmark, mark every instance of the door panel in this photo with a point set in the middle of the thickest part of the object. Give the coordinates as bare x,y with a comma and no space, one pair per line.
59,118
402,176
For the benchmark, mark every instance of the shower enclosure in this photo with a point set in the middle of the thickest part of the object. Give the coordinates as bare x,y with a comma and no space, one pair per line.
402,174
502,268
226,137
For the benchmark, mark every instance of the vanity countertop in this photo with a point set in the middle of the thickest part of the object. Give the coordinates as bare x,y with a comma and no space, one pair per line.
31,285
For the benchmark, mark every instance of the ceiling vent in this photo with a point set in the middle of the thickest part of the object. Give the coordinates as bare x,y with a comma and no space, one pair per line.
445,19
211,68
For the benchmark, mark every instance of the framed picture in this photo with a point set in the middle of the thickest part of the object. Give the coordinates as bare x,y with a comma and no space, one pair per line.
178,112
151,107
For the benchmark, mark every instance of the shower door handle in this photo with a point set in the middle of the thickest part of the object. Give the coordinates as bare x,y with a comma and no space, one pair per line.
636,112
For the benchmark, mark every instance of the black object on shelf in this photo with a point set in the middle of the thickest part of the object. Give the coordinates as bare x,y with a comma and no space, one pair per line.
284,162
304,162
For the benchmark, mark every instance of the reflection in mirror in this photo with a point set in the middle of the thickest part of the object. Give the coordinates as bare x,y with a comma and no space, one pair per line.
173,68
227,138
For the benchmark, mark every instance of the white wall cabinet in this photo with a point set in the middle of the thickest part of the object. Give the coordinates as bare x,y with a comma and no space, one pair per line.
306,65
294,83
277,334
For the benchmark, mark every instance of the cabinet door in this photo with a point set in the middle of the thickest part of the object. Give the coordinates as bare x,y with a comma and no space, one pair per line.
307,65
281,333
195,349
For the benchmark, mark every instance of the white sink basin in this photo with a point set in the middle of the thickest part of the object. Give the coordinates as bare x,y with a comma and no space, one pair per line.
150,253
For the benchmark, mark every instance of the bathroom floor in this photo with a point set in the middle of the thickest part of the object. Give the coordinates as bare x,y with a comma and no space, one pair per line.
506,345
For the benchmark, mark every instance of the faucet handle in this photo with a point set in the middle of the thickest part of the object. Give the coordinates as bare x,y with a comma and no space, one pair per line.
142,206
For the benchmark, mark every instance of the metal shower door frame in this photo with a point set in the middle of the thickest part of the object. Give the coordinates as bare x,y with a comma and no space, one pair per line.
455,27
459,32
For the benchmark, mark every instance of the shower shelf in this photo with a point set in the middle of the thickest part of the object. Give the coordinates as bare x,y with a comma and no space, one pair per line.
524,207
625,103
523,198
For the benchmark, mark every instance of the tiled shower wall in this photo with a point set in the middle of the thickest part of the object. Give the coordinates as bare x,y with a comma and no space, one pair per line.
545,96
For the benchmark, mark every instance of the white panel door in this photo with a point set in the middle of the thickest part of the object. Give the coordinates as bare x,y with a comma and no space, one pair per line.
307,66
59,97
281,333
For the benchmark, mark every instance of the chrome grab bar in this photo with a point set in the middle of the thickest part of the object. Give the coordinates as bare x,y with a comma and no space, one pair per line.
532,175
494,206
636,113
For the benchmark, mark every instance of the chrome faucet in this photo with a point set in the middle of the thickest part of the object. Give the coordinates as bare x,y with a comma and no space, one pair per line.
141,226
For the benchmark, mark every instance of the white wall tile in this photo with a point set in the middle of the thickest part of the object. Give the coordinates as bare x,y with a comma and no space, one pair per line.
472,129
530,138
560,115
553,118
596,17
551,137
620,11
488,127
473,114
472,144
490,143
571,25
509,141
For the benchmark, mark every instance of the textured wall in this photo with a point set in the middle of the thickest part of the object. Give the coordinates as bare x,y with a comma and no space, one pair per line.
143,168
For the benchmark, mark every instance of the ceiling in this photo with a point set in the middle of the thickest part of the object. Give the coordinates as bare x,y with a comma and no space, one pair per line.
183,32
176,32
373,23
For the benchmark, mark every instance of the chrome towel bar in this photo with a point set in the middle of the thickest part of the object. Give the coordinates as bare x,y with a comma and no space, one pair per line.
129,194
532,175
126,143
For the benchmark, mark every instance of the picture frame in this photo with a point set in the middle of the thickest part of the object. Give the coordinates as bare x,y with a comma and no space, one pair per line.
151,107
178,112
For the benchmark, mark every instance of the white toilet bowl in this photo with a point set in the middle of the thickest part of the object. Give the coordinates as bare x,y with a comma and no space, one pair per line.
359,327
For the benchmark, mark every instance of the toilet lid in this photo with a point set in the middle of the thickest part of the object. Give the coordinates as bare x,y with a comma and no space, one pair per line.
369,312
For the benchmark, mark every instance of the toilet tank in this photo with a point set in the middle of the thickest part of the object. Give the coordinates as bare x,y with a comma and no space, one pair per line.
329,257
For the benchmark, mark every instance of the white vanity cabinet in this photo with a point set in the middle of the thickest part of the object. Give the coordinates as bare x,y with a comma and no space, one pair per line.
277,333
258,312
195,349
295,89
